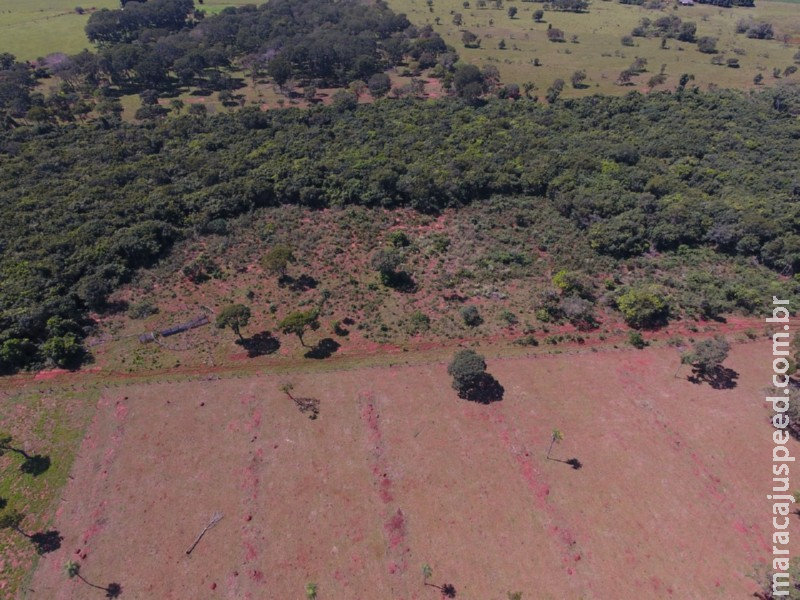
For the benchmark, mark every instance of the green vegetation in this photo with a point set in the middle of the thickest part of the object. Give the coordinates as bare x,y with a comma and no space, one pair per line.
299,322
663,183
234,316
707,355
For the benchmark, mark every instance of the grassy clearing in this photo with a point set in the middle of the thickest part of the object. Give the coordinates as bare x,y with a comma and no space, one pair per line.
30,29
599,51
42,421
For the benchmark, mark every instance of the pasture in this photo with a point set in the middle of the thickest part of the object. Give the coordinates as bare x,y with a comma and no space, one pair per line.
397,472
30,29
598,49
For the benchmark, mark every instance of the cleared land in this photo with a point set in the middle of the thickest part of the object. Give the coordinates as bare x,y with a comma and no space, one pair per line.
397,472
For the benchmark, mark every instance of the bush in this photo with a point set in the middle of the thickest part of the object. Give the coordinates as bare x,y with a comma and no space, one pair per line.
643,307
471,316
636,340
707,45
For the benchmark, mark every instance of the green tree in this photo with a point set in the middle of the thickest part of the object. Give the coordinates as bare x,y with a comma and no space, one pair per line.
386,261
707,45
73,570
234,316
277,260
12,519
643,307
706,355
298,322
555,438
538,15
512,12
577,79
466,368
280,69
471,316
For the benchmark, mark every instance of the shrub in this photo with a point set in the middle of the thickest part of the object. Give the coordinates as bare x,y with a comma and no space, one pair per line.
471,316
643,307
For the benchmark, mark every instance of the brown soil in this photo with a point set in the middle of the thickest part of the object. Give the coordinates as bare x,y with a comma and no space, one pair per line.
397,472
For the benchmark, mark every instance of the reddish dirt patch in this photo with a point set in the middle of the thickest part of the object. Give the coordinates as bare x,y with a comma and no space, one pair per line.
669,501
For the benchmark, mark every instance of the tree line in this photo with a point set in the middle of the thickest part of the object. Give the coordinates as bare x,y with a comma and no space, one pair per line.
669,174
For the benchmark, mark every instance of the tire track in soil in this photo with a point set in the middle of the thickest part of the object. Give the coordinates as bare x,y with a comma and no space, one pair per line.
97,517
631,375
251,534
512,439
395,519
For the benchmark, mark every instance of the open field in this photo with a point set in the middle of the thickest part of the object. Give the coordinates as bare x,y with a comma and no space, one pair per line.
398,472
599,51
30,29
44,421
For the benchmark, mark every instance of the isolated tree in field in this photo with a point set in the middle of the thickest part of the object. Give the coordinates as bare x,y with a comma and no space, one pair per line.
234,316
277,260
577,79
470,379
466,369
555,35
299,322
73,569
706,355
448,590
469,39
512,12
538,15
556,437
35,464
707,45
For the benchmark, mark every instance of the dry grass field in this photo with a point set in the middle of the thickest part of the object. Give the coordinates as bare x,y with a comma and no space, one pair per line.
599,50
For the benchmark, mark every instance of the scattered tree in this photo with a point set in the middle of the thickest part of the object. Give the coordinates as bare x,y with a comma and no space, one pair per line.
538,15
298,322
234,316
577,79
470,379
512,12
556,437
707,45
707,355
73,569
277,260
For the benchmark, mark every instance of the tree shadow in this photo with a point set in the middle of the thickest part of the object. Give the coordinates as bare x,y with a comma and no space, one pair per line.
303,283
324,349
35,465
719,378
572,462
47,541
260,344
484,389
401,282
113,590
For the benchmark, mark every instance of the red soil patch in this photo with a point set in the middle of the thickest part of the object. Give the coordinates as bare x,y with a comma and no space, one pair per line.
670,501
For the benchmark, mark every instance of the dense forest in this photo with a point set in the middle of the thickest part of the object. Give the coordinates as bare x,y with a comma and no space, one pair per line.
84,206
